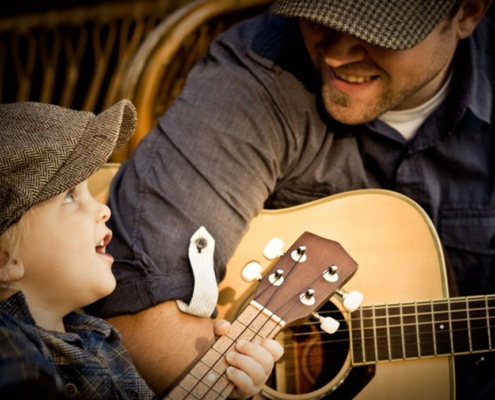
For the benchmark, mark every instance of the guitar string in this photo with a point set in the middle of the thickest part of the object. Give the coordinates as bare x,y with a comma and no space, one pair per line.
377,359
485,310
223,374
414,334
296,297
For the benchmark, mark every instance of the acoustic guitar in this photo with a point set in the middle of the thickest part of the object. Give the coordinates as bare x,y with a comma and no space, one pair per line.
400,343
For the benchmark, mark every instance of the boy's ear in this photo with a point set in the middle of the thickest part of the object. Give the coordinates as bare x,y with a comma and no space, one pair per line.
10,270
469,15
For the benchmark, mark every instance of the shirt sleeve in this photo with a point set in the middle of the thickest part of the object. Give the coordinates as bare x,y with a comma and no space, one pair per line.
212,161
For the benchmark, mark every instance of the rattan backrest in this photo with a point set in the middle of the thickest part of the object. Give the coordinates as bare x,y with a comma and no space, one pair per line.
74,57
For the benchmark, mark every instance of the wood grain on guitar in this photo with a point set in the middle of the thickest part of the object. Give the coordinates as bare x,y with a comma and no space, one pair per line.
401,270
291,291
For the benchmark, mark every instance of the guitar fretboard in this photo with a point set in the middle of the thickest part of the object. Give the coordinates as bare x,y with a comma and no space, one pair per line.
422,329
207,379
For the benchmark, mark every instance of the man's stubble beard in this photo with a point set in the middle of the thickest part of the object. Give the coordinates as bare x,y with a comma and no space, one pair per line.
341,108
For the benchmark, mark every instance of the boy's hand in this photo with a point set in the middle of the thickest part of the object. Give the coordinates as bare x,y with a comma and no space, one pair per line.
251,364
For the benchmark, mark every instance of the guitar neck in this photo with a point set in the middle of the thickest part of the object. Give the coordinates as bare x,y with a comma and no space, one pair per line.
207,379
422,329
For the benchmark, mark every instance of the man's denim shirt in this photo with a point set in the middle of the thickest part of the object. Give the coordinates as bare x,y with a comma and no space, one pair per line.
249,131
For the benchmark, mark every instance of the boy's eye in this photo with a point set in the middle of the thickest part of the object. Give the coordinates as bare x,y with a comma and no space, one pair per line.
70,196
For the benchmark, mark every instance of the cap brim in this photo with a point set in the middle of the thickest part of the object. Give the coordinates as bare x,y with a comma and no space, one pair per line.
395,25
105,134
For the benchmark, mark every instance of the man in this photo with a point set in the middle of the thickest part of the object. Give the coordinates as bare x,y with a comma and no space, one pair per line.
320,98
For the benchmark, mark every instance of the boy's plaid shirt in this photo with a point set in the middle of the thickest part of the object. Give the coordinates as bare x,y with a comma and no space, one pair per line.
86,362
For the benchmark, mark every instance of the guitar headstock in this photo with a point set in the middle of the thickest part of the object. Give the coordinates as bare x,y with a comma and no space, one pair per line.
304,278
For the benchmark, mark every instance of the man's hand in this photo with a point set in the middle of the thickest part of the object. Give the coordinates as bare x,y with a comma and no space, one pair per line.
250,364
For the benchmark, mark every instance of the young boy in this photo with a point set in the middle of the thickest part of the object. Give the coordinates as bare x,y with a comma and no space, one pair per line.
53,261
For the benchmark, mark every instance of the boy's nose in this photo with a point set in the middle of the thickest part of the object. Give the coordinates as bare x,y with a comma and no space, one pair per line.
103,213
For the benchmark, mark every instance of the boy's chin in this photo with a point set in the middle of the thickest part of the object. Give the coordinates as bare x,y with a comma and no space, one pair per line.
104,291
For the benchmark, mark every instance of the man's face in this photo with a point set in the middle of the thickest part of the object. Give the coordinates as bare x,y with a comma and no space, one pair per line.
361,81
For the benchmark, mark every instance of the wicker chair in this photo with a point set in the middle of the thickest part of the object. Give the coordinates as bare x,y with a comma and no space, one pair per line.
74,57
160,66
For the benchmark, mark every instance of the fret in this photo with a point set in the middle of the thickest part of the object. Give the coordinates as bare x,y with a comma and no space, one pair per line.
177,393
479,324
441,328
207,379
402,333
461,340
422,329
196,387
388,333
490,313
375,343
425,329
395,327
356,332
418,346
382,343
410,341
368,335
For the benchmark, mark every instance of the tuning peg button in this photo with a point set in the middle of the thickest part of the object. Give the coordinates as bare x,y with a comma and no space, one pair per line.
252,272
327,324
299,255
273,249
277,278
352,300
331,274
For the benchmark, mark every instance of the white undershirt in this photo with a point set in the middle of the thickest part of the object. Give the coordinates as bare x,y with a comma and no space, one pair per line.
407,122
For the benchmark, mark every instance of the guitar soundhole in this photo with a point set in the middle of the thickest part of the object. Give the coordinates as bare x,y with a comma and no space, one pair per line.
312,357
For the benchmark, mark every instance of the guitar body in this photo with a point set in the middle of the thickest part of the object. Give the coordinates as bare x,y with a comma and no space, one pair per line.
400,259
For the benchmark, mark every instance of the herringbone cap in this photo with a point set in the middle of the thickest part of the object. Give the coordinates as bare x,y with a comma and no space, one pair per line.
392,24
46,150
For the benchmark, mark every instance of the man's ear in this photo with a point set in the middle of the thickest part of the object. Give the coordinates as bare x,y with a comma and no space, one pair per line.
469,15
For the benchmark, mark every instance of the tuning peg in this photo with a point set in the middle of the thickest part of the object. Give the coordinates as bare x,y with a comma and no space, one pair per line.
274,248
308,298
331,274
252,272
351,300
277,278
299,254
327,324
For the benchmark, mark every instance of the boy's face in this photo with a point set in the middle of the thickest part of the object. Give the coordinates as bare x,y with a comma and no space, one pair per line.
361,81
64,252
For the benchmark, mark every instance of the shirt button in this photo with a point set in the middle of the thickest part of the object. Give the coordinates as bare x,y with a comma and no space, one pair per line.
133,394
70,390
201,243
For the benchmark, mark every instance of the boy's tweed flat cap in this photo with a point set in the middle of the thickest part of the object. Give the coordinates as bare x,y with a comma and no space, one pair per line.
392,24
46,150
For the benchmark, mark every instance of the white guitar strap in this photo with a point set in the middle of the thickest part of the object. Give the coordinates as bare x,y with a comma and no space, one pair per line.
205,293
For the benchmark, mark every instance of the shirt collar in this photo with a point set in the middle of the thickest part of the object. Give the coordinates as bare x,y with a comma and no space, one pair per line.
470,89
17,306
475,91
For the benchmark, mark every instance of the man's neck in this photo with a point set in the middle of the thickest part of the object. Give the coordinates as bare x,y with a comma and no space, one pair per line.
407,122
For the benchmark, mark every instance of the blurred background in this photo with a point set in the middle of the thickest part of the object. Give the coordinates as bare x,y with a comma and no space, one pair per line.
88,54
